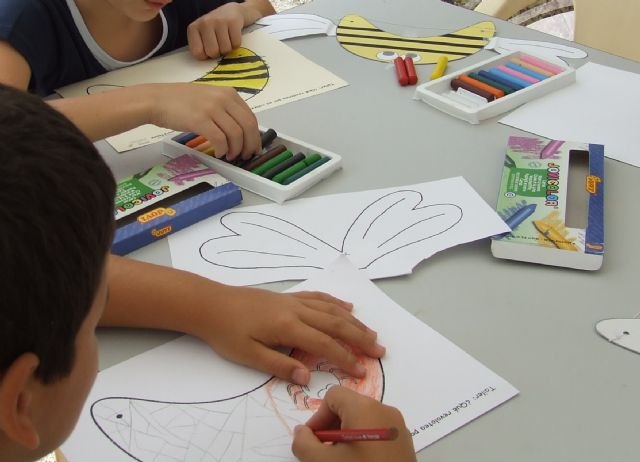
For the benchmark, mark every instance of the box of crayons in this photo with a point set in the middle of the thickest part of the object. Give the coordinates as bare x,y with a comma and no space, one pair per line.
166,198
285,168
552,198
494,86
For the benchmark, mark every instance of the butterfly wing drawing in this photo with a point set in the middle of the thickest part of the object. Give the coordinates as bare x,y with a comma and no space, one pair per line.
399,228
258,241
241,69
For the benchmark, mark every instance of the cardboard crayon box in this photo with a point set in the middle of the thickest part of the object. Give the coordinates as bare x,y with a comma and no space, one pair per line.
166,198
533,201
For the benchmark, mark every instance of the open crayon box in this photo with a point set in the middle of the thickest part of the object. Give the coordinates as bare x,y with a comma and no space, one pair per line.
437,93
256,182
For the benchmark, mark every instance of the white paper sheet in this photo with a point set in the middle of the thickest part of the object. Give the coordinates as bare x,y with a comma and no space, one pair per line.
181,402
600,107
287,26
291,77
386,232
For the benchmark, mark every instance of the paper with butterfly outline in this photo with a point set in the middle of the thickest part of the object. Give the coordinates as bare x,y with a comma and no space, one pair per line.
292,77
385,232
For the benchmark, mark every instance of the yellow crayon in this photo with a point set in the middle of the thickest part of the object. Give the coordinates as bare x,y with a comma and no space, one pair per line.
441,66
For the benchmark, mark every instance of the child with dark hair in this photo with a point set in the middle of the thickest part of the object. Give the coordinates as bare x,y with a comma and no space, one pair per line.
47,44
58,283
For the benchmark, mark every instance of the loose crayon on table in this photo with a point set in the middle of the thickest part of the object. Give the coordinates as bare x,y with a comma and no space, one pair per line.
267,137
411,70
183,138
282,166
401,71
481,85
506,79
526,71
547,66
457,83
531,67
519,75
259,170
261,159
304,171
506,89
196,141
441,66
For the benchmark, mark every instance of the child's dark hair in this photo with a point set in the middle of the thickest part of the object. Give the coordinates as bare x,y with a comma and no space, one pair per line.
56,226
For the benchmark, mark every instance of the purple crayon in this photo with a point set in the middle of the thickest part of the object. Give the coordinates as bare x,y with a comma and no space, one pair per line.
550,149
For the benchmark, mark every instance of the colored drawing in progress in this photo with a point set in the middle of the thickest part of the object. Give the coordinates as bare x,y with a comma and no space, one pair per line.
254,426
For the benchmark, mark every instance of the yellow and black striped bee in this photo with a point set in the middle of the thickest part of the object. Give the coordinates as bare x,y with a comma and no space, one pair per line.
241,69
362,38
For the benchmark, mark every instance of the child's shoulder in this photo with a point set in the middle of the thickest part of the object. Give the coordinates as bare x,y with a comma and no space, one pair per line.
13,11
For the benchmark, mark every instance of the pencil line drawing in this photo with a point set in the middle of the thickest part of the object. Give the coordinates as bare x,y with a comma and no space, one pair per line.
397,223
256,425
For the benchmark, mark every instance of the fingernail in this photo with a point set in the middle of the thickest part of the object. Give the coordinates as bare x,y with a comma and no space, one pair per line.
380,350
300,376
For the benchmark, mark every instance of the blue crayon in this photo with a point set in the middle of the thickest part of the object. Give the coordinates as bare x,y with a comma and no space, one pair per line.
306,170
486,75
517,218
500,78
510,78
184,138
524,70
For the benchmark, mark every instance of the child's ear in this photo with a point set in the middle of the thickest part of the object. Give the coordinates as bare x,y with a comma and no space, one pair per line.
16,401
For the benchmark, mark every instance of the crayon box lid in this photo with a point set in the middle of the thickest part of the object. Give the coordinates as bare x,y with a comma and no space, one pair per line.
168,197
534,202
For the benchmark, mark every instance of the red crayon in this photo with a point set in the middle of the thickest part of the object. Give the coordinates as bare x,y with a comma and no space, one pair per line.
357,434
411,70
401,71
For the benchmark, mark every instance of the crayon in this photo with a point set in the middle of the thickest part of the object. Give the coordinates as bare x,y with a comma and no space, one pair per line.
508,79
547,66
411,71
550,149
266,138
457,83
481,85
524,70
183,138
441,66
531,67
195,141
203,146
261,159
259,170
304,171
458,98
283,165
506,89
295,168
401,71
353,434
519,75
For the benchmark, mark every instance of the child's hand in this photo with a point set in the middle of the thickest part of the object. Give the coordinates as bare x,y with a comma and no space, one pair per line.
220,31
217,113
249,323
344,408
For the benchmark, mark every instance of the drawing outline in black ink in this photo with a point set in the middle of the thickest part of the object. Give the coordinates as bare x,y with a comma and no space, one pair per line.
231,428
241,69
395,222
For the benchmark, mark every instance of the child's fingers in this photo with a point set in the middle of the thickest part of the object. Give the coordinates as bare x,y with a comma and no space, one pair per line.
210,42
311,295
273,362
243,115
307,447
235,34
233,133
223,38
195,43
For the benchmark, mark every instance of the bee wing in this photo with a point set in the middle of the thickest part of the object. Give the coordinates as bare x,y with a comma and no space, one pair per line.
258,241
286,26
548,50
398,226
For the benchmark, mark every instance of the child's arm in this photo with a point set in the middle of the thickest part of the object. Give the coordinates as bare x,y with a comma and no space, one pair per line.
345,409
218,113
241,324
220,31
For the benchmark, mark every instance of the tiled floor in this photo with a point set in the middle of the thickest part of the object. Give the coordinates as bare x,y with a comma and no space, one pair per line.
560,25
